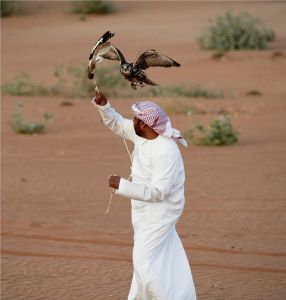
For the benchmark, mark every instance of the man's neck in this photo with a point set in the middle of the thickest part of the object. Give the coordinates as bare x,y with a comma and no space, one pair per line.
150,135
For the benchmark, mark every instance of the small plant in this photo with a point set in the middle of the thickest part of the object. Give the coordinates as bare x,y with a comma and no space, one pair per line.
235,32
219,133
22,85
19,125
14,7
91,7
7,8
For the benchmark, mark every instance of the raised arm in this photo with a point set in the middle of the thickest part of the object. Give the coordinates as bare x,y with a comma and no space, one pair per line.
113,120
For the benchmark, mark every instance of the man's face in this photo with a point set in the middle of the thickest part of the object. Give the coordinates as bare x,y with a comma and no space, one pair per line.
138,126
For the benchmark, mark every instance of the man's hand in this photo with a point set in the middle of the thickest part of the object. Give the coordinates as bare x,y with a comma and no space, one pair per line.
114,181
100,99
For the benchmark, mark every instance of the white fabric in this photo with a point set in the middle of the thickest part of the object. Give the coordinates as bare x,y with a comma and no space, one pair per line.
161,268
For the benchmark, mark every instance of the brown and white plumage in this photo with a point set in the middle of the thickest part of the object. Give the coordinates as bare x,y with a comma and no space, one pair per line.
131,71
95,56
151,58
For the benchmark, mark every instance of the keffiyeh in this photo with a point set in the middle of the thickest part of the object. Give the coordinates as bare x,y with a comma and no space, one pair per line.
154,116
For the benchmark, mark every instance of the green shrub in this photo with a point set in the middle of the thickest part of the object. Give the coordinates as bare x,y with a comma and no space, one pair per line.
7,8
14,7
91,7
181,90
219,133
72,82
22,85
234,32
19,125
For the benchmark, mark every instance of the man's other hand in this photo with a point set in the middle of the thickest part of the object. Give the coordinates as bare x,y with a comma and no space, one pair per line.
100,99
114,181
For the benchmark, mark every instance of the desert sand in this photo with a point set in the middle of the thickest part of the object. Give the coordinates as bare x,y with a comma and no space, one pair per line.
56,241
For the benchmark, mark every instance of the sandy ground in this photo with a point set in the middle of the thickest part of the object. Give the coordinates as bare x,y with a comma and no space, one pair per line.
56,241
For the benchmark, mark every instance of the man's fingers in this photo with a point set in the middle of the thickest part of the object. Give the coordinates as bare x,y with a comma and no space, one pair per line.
114,181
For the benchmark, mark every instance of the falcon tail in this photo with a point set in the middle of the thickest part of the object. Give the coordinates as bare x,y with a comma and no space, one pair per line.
149,81
108,35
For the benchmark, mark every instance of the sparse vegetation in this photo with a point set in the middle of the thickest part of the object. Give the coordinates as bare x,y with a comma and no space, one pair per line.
187,107
71,81
85,7
219,133
19,125
14,7
194,92
178,107
235,32
7,8
22,85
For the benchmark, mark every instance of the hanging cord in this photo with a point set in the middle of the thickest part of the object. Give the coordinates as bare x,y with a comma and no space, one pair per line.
113,190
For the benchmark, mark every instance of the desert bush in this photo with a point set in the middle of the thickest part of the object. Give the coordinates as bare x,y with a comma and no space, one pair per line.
72,82
234,32
180,90
7,8
22,85
91,7
19,125
14,7
219,133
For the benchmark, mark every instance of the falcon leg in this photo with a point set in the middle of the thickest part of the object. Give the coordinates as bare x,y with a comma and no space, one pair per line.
134,85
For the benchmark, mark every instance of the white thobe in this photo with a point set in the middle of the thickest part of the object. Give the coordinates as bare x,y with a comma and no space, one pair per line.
161,268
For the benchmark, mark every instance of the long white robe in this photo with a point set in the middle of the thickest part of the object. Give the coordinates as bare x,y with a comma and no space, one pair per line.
161,268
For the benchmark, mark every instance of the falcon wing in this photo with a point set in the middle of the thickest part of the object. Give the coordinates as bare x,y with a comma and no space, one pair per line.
151,58
112,53
100,46
108,35
104,51
149,81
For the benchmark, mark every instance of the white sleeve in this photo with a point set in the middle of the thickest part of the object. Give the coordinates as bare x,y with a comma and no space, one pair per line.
164,175
115,122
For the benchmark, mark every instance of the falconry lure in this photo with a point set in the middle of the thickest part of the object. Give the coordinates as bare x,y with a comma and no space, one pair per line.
131,71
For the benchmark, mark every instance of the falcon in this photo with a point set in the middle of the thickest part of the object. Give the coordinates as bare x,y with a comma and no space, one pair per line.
133,72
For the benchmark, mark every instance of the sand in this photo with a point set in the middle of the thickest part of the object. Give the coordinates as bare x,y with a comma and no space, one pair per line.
56,241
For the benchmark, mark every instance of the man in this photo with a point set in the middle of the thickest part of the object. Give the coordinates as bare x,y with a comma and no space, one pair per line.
161,268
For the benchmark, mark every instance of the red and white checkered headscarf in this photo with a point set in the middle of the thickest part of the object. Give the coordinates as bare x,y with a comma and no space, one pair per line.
154,116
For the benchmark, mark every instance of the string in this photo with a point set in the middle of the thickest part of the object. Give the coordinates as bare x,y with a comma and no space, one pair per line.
113,190
109,203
